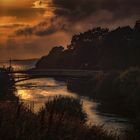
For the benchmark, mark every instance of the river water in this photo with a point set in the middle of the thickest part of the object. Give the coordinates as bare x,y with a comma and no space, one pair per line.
38,91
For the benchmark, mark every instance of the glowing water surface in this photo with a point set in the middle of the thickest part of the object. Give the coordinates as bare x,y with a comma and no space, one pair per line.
38,91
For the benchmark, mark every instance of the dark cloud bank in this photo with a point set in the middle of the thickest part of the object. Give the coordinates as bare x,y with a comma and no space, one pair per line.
43,28
79,9
79,15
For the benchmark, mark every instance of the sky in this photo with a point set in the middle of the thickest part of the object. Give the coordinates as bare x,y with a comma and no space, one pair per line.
30,28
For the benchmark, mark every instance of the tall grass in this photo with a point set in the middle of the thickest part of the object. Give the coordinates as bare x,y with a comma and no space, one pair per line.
61,119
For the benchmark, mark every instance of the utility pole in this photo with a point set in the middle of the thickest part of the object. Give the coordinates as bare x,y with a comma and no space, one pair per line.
10,43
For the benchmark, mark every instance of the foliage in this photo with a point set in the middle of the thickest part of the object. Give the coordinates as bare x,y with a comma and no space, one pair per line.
97,49
19,123
117,91
6,85
66,106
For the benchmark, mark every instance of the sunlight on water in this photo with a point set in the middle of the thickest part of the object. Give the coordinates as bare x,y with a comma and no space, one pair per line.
88,107
36,92
40,90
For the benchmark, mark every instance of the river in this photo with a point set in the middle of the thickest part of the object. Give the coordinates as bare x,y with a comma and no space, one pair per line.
38,91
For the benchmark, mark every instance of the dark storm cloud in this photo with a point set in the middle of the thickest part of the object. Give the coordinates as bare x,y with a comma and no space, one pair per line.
79,15
79,9
27,31
44,28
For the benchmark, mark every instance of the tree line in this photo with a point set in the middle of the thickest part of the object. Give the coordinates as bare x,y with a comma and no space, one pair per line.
97,49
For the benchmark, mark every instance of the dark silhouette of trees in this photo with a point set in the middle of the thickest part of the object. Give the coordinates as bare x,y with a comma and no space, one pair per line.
98,48
52,59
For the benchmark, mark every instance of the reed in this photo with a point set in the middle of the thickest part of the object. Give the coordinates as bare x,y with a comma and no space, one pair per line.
61,119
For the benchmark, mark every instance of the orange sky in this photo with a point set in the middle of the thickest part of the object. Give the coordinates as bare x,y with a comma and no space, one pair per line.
30,28
17,14
23,12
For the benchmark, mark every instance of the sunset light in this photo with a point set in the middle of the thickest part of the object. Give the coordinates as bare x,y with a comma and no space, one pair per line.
69,69
39,4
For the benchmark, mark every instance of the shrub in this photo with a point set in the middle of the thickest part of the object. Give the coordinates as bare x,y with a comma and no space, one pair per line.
19,123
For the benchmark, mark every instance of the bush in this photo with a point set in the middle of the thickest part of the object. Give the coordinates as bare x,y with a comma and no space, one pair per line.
119,92
67,106
19,123
6,86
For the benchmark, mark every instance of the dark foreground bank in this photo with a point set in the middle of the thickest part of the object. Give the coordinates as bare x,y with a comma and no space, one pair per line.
7,86
61,119
117,91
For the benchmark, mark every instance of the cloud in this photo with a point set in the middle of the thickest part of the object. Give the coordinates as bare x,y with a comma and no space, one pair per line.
20,10
40,29
75,10
79,15
44,28
39,4
13,25
31,47
22,13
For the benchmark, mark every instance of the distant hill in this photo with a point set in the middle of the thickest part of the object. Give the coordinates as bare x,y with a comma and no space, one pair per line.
98,48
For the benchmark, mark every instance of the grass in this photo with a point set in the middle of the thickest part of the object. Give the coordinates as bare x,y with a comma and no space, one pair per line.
117,91
61,119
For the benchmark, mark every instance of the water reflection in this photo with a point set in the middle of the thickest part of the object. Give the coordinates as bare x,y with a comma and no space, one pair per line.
40,90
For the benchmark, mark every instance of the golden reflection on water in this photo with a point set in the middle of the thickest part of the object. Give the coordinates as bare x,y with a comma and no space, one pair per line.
40,90
40,97
88,107
37,92
22,94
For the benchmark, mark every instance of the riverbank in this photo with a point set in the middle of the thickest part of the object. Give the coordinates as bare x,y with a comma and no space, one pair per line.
20,122
56,121
99,131
116,91
7,86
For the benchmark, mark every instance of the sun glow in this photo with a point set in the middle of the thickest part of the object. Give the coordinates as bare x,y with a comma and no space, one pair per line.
39,4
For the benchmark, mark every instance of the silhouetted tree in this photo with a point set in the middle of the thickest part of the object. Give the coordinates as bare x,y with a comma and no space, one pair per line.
98,48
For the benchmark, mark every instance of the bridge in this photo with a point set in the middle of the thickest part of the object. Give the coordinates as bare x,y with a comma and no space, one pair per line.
52,73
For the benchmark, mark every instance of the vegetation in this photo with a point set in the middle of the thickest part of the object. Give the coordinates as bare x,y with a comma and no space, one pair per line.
114,52
54,122
97,49
6,85
117,91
